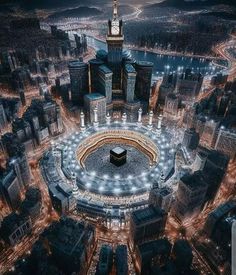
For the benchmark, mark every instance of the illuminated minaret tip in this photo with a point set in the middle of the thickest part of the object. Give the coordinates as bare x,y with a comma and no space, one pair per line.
115,9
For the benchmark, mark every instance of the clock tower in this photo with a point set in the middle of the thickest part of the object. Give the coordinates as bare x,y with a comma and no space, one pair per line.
115,39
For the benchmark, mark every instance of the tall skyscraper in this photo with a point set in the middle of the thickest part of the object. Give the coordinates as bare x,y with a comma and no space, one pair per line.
209,134
3,119
226,142
105,82
115,41
147,223
21,167
79,81
94,65
129,79
191,139
143,82
10,189
161,197
172,104
190,195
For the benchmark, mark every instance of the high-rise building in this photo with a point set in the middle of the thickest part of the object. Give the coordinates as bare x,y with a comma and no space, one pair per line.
94,65
191,139
182,255
152,254
129,79
3,118
105,82
214,171
161,197
17,158
199,123
190,196
199,162
72,242
172,106
11,145
143,82
167,86
226,143
223,105
91,101
62,199
22,97
219,79
79,81
21,167
189,84
121,260
222,211
104,265
31,206
208,137
147,223
23,131
115,41
14,227
10,189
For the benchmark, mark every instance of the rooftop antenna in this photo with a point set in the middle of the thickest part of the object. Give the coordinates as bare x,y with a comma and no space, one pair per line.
115,9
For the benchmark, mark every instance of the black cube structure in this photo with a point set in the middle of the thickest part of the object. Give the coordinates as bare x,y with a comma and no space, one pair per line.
118,156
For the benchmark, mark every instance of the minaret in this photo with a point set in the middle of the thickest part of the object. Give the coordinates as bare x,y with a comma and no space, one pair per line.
124,118
140,111
159,122
150,119
95,114
82,122
108,119
75,188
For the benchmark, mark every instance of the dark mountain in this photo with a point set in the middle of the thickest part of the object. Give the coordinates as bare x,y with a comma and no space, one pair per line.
183,4
50,4
77,12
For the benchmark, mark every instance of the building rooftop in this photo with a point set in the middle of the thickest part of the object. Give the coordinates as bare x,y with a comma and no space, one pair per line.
121,259
96,61
105,69
19,123
101,54
149,249
94,96
68,236
194,181
144,63
7,178
147,214
165,191
11,222
223,209
130,69
32,198
182,246
76,64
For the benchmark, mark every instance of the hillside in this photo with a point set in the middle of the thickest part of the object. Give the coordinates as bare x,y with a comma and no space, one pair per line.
77,12
183,4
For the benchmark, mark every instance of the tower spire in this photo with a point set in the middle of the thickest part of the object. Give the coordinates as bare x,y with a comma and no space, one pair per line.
115,9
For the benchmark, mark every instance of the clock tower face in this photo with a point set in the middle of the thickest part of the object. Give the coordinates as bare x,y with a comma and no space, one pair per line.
115,28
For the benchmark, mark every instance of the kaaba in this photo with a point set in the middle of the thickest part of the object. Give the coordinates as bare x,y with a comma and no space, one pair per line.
118,156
